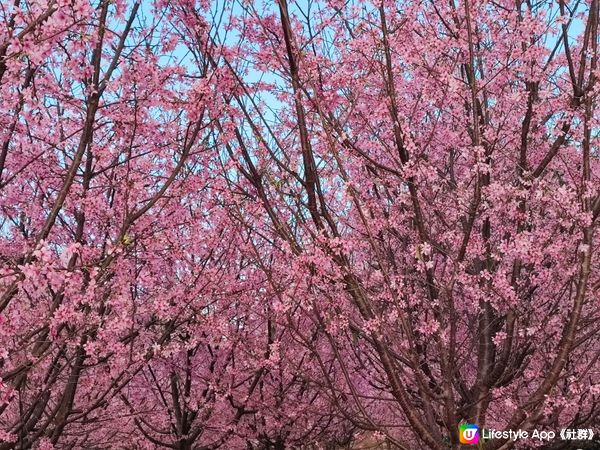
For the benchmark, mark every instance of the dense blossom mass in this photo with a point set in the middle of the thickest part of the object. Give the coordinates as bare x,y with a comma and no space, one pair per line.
269,225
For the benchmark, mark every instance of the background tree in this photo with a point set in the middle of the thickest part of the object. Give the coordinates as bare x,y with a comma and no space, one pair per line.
277,225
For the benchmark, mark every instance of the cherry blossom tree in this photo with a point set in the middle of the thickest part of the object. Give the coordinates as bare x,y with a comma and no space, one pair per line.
429,181
269,225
